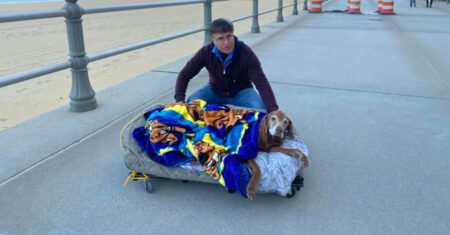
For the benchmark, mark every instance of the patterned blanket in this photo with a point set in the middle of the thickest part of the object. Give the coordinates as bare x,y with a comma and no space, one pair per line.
221,139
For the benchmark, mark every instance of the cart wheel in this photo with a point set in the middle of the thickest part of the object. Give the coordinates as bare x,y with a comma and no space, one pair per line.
299,180
231,190
185,181
291,193
148,186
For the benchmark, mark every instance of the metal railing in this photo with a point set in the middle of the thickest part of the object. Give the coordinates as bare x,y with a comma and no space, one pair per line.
82,96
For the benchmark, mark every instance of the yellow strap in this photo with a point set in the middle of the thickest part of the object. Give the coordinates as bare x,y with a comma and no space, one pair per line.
134,176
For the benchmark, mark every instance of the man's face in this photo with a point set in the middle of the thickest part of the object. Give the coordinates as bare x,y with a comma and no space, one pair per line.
224,42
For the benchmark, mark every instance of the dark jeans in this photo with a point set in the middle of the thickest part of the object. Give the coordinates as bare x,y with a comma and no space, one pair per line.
246,98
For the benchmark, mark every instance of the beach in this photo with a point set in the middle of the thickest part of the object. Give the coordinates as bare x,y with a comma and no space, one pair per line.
32,44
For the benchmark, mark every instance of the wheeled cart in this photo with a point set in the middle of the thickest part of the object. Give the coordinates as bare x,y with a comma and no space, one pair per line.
280,173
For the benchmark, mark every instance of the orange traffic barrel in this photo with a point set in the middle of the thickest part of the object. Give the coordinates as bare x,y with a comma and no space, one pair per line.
380,3
316,6
387,7
354,7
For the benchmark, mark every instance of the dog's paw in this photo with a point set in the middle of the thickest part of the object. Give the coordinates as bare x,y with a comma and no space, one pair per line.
251,191
302,157
296,153
304,160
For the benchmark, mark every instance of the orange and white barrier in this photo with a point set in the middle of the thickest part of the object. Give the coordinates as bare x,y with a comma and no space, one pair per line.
380,4
387,7
316,6
354,7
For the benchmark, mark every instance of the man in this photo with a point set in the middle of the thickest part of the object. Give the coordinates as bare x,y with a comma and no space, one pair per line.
233,69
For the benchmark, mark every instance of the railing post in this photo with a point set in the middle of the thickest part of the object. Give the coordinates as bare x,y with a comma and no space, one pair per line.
255,23
207,14
280,11
305,5
295,11
82,96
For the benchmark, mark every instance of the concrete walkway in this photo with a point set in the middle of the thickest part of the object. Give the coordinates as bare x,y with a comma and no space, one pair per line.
369,94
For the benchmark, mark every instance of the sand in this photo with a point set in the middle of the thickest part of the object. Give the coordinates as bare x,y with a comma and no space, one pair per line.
31,44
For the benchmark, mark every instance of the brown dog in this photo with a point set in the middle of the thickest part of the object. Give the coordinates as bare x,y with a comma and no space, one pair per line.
271,132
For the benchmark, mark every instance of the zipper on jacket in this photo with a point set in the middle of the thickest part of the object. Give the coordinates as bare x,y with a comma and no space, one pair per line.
226,82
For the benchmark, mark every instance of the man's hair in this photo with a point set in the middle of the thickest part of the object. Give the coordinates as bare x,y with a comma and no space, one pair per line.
220,25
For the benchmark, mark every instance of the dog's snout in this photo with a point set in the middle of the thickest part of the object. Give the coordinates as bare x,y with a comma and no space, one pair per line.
276,131
279,129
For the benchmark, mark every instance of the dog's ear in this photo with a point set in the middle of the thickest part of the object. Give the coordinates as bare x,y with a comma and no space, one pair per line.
263,125
290,129
263,135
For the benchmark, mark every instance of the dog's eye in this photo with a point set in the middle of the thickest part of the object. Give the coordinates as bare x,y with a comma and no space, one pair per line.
273,119
286,122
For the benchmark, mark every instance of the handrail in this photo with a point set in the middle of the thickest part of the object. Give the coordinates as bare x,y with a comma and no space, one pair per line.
138,6
34,15
82,95
31,15
22,76
262,13
139,45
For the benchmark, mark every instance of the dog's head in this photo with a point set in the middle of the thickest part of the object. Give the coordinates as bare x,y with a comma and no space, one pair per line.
279,125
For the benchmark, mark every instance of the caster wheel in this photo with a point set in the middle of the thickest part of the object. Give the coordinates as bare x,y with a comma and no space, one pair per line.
298,180
291,193
297,183
231,190
148,186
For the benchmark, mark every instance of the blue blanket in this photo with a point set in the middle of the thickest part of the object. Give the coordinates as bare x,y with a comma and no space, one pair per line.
221,139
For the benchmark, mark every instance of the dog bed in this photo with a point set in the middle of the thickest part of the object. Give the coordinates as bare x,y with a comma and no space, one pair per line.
280,173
